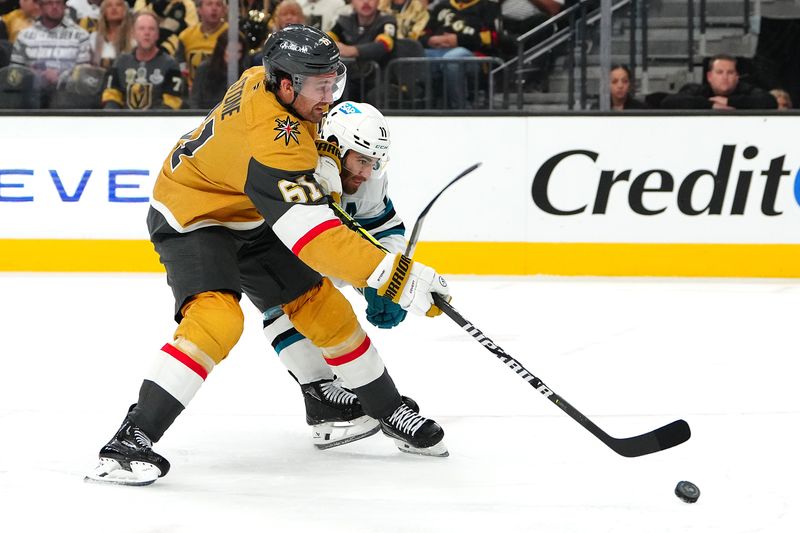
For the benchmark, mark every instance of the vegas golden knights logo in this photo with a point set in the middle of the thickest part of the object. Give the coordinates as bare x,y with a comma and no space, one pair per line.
14,77
140,95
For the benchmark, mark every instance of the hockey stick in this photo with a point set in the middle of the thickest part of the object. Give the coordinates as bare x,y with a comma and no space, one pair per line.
351,223
412,242
659,439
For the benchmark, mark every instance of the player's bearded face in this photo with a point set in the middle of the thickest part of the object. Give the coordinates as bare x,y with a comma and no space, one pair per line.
356,169
316,93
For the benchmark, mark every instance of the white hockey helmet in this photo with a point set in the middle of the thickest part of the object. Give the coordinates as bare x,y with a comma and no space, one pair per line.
360,127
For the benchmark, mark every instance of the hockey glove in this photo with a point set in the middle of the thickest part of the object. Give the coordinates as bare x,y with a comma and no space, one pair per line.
408,284
382,312
329,167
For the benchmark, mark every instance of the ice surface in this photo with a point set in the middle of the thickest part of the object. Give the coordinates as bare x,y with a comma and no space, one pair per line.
631,354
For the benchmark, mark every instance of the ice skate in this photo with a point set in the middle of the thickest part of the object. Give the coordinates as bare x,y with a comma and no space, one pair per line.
335,415
413,433
129,459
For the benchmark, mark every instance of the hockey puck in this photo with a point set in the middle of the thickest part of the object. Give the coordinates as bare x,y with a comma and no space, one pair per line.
687,491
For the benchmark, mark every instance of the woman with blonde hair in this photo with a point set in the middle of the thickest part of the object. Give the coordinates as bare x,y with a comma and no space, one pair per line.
114,33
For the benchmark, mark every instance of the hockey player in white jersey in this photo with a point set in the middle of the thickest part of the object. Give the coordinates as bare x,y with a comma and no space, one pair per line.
360,187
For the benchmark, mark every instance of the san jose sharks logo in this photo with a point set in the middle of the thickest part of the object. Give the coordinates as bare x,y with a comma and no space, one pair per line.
287,130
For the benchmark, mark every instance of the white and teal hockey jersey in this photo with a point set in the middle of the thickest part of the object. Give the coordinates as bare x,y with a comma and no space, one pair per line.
371,207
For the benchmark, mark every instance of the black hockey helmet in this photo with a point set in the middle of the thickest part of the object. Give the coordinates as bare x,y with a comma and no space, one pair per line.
300,52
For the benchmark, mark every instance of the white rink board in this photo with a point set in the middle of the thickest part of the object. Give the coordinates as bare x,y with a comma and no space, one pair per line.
59,176
495,204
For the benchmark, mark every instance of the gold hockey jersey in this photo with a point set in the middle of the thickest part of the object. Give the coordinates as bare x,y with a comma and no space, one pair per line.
252,162
195,47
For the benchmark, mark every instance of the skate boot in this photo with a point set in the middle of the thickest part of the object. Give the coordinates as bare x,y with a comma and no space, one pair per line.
414,433
335,415
410,403
129,459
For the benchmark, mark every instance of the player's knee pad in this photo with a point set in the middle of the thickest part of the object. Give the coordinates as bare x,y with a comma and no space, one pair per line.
326,318
213,321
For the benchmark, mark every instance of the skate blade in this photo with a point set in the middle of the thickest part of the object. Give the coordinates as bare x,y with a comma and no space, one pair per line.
111,472
437,450
330,435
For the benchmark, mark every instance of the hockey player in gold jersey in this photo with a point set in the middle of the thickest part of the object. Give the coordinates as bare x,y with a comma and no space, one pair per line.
237,208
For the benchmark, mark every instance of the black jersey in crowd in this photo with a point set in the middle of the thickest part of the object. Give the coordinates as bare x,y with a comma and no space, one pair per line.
476,23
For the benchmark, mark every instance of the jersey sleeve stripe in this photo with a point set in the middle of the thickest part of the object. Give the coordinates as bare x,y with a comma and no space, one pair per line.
313,234
299,224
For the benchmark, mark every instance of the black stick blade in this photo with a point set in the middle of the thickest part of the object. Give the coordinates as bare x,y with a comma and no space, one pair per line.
663,438
412,242
659,439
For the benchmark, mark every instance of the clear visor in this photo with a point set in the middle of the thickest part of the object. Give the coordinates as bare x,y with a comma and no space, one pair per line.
325,88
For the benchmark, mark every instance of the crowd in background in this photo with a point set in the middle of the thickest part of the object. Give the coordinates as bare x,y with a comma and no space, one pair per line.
173,54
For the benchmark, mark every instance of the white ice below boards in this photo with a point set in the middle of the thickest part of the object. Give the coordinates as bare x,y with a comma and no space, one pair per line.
632,354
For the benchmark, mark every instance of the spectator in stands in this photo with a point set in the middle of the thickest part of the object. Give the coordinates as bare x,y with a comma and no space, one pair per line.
198,41
255,35
365,35
520,16
5,49
7,6
253,19
783,99
723,90
211,78
21,18
51,46
460,30
322,14
5,45
114,34
621,90
412,16
146,78
86,12
174,17
287,12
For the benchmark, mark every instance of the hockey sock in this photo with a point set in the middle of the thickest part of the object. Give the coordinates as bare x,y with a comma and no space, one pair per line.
360,366
379,398
297,353
168,387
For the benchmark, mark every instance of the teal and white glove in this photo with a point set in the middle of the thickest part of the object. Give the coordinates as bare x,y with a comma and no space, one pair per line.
409,284
382,312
